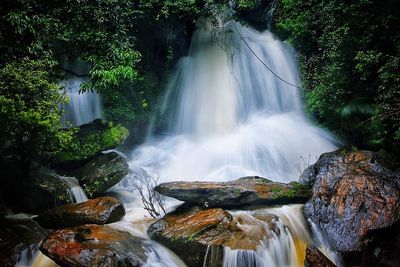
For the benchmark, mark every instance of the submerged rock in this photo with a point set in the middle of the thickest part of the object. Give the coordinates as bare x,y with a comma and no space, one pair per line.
190,233
94,245
19,240
95,211
101,173
354,192
244,191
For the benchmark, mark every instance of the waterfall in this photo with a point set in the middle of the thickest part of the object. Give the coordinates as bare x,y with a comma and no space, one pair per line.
225,115
285,238
233,108
75,191
82,107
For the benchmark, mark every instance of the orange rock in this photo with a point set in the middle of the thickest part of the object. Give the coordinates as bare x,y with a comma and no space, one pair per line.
93,245
354,192
94,211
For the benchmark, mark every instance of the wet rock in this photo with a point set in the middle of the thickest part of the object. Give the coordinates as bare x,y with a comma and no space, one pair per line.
315,258
244,191
383,251
90,140
354,192
101,173
94,245
45,189
95,211
191,232
19,241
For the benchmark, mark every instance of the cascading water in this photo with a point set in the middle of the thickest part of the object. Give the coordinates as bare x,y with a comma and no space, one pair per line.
285,238
82,107
225,115
75,191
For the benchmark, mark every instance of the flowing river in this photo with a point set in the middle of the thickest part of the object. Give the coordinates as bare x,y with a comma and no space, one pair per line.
233,108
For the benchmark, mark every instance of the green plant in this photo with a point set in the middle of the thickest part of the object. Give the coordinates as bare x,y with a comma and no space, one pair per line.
29,113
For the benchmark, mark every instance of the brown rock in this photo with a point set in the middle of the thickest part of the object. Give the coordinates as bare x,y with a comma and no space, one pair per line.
353,193
94,245
244,191
100,173
95,211
315,258
191,232
19,241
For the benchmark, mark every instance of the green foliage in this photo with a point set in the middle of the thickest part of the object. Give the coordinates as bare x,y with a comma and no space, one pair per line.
349,56
29,110
86,144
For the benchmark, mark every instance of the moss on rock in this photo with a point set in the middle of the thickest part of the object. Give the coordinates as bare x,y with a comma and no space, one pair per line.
91,139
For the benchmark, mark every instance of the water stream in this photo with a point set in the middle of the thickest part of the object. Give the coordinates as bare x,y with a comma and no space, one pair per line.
83,107
286,237
225,116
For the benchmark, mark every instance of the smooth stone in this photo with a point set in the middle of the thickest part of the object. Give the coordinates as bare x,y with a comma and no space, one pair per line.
94,245
94,211
244,191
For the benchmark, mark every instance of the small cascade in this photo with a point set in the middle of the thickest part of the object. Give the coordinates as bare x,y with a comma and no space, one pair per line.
77,194
24,259
83,107
75,191
284,233
320,241
136,223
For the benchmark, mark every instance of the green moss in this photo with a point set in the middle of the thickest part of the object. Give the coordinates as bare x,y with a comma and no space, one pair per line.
87,145
295,189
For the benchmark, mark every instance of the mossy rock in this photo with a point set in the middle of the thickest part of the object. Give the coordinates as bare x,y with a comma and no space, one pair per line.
244,191
91,139
45,189
101,173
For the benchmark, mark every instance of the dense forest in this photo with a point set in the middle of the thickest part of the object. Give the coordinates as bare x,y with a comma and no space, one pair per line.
128,51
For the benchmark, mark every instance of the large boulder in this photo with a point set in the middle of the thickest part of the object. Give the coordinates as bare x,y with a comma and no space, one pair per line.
244,191
19,241
354,192
45,189
101,173
94,245
90,140
191,232
95,211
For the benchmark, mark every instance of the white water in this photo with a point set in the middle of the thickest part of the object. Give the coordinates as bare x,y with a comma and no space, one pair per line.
82,107
285,238
75,191
321,242
226,116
